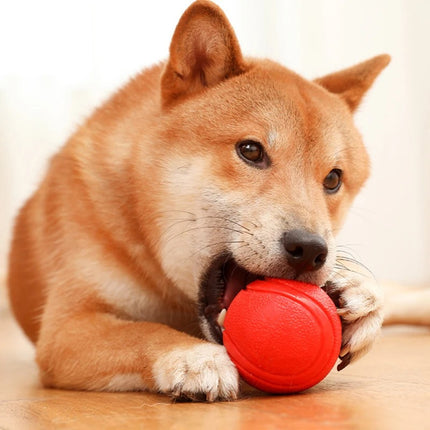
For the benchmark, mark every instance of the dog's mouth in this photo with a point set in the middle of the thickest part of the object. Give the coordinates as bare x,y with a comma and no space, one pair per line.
224,279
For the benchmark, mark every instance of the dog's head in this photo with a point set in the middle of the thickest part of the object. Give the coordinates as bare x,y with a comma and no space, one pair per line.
260,165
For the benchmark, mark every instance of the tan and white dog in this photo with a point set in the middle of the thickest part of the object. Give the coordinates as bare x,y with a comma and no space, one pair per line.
202,174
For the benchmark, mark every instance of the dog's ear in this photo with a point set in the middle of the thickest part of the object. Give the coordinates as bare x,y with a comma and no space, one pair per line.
204,51
351,84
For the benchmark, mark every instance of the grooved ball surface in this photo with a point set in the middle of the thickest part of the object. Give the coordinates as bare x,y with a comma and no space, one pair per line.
283,336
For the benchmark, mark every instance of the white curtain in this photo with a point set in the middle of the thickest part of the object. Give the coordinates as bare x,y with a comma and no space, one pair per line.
58,60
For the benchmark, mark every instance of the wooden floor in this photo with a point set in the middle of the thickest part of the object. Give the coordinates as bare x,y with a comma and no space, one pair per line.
388,389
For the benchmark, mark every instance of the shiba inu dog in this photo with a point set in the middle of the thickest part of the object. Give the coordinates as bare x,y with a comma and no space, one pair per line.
202,174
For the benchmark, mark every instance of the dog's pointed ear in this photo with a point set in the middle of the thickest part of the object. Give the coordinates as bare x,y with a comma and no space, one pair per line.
351,84
204,51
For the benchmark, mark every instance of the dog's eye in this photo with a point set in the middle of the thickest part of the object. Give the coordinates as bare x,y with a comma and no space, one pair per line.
253,153
333,181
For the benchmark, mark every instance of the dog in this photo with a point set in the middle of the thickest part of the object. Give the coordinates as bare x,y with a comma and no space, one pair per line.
408,305
202,174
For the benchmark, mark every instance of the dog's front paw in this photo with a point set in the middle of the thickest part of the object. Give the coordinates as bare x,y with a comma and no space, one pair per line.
359,302
198,373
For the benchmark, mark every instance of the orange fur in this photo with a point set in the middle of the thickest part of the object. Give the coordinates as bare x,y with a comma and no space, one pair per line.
103,275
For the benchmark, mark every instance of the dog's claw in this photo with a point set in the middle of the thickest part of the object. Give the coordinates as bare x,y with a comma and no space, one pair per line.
346,349
342,311
232,395
345,360
201,373
210,397
182,397
178,396
359,305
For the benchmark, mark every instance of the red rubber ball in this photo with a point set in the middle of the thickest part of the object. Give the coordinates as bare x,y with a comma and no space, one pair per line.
283,336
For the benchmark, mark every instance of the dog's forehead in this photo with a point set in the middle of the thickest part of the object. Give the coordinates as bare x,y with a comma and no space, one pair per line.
281,88
268,103
289,104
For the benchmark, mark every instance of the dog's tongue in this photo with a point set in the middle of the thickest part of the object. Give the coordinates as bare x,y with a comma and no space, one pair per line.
236,279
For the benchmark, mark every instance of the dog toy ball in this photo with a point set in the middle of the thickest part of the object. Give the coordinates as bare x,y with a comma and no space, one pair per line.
283,336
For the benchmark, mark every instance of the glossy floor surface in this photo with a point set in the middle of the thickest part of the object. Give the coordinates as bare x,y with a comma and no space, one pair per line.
388,389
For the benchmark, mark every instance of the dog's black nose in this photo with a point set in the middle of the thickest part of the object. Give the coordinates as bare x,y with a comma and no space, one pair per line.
305,251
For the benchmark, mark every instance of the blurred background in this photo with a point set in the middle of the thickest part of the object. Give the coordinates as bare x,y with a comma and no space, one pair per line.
60,59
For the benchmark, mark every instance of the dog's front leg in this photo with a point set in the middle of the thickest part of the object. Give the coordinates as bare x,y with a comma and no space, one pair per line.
360,305
98,351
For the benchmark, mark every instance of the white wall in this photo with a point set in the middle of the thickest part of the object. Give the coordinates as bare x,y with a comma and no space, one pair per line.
59,59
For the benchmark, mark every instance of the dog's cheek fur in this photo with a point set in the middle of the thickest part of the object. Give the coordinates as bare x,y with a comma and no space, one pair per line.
214,213
186,232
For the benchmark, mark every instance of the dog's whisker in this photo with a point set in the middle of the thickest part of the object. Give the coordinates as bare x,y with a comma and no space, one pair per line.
345,254
342,259
351,260
340,264
243,229
229,220
343,268
242,246
196,218
228,242
339,271
217,227
177,210
177,223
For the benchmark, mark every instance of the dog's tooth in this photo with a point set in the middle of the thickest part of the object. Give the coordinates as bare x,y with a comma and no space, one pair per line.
221,318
